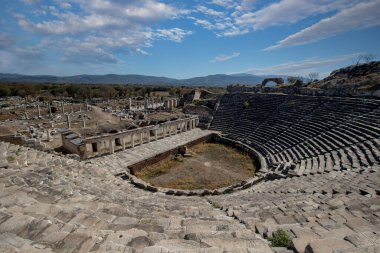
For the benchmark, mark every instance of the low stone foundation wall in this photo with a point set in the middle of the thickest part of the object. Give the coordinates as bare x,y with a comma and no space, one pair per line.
24,141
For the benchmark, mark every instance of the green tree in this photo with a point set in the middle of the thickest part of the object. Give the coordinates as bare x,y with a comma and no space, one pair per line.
4,91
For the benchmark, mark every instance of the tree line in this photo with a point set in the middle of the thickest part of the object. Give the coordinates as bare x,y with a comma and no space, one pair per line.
80,91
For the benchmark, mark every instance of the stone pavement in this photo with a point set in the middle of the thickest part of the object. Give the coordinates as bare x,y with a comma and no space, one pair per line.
118,162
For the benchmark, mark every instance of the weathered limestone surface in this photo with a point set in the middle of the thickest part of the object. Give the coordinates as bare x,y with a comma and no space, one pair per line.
54,204
118,162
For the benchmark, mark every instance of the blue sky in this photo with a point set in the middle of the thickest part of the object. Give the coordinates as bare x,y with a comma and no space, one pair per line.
185,38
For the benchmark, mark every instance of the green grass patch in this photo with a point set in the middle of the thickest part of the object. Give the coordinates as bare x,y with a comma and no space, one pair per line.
11,159
280,238
214,204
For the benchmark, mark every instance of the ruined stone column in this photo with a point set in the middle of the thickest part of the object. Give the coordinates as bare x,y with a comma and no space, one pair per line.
155,134
48,137
72,109
84,123
170,130
130,103
49,106
39,111
152,102
141,138
146,104
63,107
68,120
123,142
133,140
148,135
111,147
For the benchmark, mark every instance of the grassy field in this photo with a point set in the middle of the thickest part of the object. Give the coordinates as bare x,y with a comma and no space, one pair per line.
211,166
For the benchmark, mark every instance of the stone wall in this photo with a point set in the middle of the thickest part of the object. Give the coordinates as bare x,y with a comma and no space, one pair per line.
109,143
73,143
291,90
24,141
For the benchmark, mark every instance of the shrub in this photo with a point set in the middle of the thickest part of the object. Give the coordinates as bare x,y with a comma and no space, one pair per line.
280,238
214,204
246,104
11,158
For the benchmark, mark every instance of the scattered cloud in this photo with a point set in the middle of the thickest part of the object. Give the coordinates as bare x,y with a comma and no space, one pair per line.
65,5
31,1
5,41
362,15
100,28
245,16
289,12
223,58
174,34
25,58
225,3
302,67
208,11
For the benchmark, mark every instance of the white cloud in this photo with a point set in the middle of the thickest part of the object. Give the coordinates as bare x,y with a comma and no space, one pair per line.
360,16
288,12
102,28
103,14
225,3
222,58
242,17
31,1
174,34
65,5
208,11
302,67
12,56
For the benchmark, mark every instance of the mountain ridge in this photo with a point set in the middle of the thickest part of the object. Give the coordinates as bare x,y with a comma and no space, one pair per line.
209,80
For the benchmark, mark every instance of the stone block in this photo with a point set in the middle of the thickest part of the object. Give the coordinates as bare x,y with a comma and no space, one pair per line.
327,246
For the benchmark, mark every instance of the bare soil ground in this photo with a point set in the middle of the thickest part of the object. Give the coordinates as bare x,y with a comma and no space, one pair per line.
211,166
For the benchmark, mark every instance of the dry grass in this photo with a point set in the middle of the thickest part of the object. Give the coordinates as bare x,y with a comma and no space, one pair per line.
211,166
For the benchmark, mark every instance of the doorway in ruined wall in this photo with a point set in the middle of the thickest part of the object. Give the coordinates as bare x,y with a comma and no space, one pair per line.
94,147
118,142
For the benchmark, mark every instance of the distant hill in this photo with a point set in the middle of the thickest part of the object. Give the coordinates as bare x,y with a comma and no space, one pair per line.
359,77
211,80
